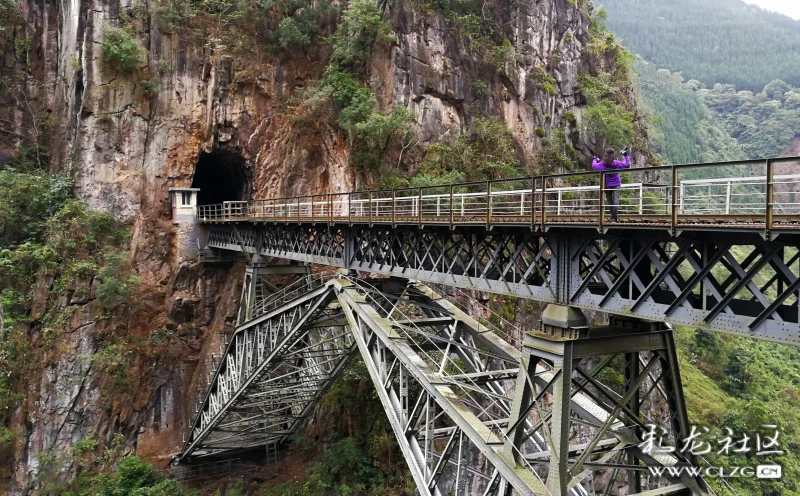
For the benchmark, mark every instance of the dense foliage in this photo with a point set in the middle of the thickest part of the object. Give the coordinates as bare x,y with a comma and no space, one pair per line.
743,384
713,41
609,118
684,129
121,50
44,232
485,151
342,96
764,123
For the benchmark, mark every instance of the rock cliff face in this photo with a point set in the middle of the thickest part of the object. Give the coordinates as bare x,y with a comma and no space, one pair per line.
125,149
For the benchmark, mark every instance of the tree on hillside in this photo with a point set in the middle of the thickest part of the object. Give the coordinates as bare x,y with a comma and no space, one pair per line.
712,41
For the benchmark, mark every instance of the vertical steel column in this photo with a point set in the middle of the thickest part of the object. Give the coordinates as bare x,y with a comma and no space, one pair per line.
728,199
419,207
533,203
521,406
247,297
559,476
631,378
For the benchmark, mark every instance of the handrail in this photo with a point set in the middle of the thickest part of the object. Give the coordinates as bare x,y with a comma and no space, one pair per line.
762,201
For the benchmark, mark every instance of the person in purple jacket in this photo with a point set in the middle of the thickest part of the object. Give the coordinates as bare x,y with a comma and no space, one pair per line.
613,181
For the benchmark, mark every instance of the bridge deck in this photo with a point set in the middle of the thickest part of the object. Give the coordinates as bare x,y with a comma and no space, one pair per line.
719,254
650,198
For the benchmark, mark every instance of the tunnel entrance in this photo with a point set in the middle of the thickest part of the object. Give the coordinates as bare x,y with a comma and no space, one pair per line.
221,177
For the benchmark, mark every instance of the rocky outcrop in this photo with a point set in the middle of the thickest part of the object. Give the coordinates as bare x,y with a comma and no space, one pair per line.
429,70
125,149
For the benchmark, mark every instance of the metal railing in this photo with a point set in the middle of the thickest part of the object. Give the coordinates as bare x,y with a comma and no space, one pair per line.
678,195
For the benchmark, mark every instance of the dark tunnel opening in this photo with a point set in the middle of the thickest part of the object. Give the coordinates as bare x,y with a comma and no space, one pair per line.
221,177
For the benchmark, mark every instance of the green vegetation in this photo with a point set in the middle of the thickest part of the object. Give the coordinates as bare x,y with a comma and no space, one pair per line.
763,123
374,136
610,123
238,27
609,116
121,50
486,151
97,475
713,41
47,235
699,124
744,384
135,478
544,81
685,129
482,30
362,25
557,153
10,20
149,87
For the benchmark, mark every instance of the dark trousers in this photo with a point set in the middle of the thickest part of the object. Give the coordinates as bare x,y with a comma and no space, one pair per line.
612,201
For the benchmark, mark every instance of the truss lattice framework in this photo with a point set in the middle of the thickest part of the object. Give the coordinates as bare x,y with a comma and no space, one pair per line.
468,409
273,370
737,283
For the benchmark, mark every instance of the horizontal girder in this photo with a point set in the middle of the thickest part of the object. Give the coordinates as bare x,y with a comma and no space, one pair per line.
733,283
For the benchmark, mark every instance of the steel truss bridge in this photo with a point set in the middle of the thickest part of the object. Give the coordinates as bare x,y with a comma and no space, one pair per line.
474,409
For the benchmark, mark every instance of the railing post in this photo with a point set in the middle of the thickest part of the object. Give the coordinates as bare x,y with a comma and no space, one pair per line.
369,206
674,212
488,204
558,206
770,196
728,199
298,210
419,206
394,204
533,202
452,207
349,214
601,220
330,208
641,199
544,201
438,205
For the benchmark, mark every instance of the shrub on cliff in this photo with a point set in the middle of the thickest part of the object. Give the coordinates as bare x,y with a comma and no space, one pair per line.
135,477
362,25
486,151
121,50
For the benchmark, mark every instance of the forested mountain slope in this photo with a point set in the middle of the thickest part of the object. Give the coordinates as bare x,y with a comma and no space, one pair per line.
713,41
693,123
676,109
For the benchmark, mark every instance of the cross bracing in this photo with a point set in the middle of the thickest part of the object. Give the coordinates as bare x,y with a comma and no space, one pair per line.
472,413
736,283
